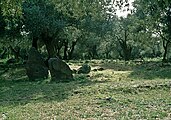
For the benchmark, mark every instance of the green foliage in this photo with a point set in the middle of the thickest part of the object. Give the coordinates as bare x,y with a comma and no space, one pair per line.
87,28
41,15
156,16
12,13
2,23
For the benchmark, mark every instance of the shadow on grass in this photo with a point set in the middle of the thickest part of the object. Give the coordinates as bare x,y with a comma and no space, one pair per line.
19,90
118,66
151,70
15,89
17,93
142,70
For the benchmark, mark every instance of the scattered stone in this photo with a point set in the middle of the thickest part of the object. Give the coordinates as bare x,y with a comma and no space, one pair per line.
84,69
35,66
94,70
87,75
86,61
77,92
81,62
109,98
100,69
59,70
102,62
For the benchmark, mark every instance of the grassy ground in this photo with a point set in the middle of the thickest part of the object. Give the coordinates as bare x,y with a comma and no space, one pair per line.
131,91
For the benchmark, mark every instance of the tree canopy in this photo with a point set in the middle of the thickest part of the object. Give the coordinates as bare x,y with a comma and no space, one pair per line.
63,25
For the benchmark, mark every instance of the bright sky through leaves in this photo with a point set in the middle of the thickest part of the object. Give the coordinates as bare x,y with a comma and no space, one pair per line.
123,12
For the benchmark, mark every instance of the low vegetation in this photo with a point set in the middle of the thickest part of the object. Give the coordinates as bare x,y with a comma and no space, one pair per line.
120,63
119,90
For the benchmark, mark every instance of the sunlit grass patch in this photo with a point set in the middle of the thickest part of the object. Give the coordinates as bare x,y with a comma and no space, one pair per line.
109,94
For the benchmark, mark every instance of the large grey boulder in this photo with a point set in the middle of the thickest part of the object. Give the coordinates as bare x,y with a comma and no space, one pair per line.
35,66
59,70
84,69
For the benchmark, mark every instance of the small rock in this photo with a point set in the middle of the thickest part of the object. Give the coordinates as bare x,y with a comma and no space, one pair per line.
84,69
94,70
109,98
101,69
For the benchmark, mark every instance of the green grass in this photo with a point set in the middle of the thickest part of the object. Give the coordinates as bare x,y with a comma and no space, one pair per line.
121,91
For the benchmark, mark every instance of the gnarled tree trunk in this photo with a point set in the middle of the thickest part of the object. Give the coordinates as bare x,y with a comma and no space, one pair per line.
50,46
65,57
71,50
34,42
165,46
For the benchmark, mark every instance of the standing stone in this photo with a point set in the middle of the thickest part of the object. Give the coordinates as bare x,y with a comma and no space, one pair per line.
35,66
59,70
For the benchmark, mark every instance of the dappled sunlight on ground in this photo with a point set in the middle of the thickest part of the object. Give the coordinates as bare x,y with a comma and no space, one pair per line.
118,91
